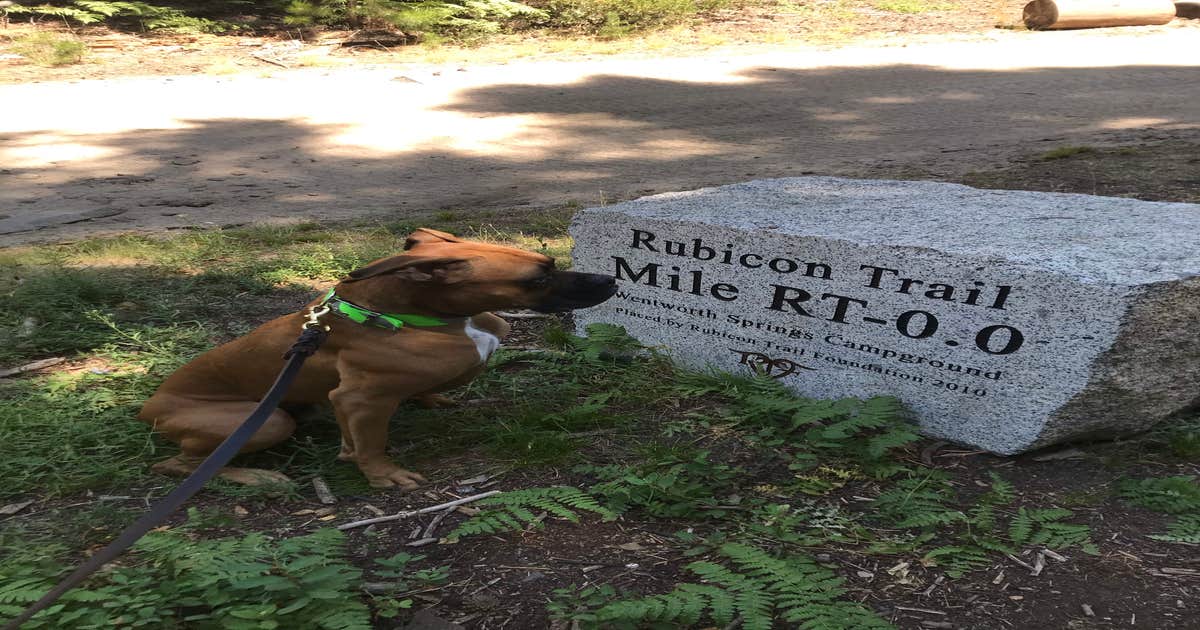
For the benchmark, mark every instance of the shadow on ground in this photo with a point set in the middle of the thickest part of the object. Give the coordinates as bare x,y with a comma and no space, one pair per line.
602,139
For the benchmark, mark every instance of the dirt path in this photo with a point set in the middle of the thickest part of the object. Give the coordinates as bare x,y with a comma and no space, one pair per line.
155,153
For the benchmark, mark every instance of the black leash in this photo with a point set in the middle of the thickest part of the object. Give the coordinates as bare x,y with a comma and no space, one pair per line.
313,336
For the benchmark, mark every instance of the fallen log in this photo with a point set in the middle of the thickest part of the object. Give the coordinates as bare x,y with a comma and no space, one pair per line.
1060,14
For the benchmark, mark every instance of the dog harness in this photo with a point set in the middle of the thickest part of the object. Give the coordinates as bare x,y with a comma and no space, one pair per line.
365,316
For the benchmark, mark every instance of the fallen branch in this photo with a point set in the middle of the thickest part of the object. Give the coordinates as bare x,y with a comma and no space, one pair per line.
29,367
434,508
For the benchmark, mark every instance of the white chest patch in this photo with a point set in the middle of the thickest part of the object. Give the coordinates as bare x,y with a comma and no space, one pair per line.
485,342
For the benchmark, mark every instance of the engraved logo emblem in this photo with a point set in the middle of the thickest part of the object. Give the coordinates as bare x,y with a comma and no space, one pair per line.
763,364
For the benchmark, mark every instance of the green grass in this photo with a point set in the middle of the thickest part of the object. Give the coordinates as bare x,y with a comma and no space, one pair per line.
1066,152
912,6
49,49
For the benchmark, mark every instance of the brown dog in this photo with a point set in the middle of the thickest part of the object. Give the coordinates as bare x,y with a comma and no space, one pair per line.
402,327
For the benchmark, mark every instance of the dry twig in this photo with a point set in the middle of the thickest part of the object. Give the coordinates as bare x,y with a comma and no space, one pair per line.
921,610
434,508
1019,561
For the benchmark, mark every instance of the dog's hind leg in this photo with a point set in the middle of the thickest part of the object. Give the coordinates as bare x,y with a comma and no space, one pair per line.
200,428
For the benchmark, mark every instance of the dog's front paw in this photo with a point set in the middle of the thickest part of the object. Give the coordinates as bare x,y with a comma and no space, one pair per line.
393,476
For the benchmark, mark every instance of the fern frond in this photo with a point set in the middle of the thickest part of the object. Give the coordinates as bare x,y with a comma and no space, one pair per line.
1021,527
1049,515
749,585
754,607
1002,491
1170,495
919,501
512,511
1185,529
957,560
1062,535
994,545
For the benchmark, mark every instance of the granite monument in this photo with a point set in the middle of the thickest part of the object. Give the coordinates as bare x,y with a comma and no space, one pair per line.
1005,320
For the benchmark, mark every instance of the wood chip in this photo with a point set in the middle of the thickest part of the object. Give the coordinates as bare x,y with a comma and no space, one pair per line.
936,583
1175,571
1087,610
29,367
324,495
1053,555
1039,563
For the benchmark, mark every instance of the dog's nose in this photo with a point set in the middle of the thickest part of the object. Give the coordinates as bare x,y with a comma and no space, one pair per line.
600,281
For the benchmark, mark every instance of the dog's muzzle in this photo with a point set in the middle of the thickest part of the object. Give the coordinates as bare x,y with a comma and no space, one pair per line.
577,290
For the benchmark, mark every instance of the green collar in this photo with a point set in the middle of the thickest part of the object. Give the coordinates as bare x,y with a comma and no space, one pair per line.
389,321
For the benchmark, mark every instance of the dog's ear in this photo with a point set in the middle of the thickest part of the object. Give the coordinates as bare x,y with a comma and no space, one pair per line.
415,269
426,235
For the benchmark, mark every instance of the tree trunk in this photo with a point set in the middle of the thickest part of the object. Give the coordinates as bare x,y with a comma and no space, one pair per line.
1187,10
1056,14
